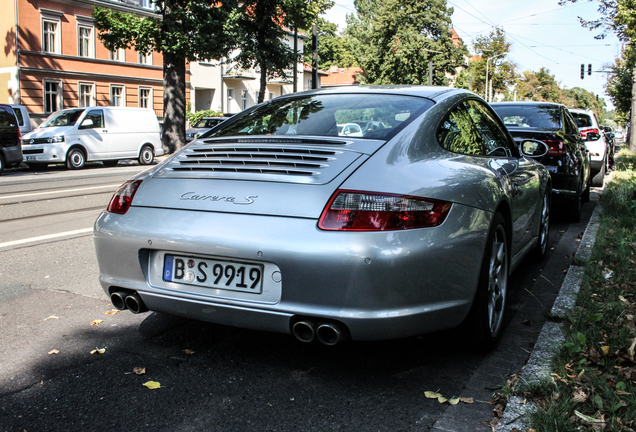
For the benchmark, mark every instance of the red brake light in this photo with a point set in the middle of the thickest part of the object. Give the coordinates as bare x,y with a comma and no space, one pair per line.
122,200
555,147
367,211
584,133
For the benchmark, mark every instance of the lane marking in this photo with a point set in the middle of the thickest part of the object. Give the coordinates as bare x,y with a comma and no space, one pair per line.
46,237
61,191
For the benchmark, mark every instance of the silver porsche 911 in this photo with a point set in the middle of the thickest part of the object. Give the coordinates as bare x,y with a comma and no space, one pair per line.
281,220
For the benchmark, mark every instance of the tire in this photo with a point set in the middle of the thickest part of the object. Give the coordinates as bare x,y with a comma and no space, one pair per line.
541,250
485,320
2,164
146,155
75,159
110,163
586,194
573,208
599,178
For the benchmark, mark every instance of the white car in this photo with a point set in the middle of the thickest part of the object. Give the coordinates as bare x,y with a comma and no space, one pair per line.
350,130
595,141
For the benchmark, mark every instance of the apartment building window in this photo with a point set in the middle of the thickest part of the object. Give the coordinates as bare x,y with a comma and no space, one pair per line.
117,55
86,94
145,97
244,99
50,37
144,58
117,96
85,41
52,96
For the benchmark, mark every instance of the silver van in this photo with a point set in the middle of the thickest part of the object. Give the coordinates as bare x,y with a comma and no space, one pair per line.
78,135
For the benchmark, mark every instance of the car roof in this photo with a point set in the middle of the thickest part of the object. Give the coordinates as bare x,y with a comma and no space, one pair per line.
526,103
430,92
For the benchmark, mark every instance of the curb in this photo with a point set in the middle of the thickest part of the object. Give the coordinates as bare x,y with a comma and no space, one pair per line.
550,340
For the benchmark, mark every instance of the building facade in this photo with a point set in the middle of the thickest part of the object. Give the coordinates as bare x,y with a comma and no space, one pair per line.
54,59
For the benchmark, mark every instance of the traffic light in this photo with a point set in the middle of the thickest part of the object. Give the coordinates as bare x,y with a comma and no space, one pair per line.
582,71
589,69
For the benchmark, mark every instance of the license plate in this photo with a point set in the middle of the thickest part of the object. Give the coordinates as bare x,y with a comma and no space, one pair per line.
30,158
211,273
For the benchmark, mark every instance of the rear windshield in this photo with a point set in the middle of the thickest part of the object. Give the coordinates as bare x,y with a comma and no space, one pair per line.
63,118
18,115
582,120
530,116
373,116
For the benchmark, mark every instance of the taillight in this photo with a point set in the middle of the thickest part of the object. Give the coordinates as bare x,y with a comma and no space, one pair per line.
584,133
122,200
367,211
19,136
555,147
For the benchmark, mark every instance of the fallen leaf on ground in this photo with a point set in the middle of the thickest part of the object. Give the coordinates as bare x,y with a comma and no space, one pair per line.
112,311
139,370
51,317
188,351
587,418
579,396
468,400
97,322
152,385
98,351
605,349
54,351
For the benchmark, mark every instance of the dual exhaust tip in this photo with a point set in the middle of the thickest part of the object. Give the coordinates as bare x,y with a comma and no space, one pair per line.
128,300
327,333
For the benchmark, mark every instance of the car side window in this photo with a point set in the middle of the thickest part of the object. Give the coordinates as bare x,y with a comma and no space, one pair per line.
6,118
97,116
470,129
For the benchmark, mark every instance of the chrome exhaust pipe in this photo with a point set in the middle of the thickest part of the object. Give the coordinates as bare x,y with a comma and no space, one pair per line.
304,331
330,334
118,299
135,304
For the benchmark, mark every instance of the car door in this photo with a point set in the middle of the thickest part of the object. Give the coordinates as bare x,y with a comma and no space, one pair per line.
93,134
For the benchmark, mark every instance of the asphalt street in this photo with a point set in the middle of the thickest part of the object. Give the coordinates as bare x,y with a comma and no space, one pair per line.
54,317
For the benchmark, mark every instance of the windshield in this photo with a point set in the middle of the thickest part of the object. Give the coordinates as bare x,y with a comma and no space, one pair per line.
374,116
63,118
530,116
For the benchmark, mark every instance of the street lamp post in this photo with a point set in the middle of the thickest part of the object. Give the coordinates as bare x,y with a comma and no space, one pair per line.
487,93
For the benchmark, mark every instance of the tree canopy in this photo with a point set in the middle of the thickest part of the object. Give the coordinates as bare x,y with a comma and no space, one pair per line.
182,30
393,41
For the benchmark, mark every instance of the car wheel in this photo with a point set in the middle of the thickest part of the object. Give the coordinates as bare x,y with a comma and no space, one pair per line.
486,317
574,208
586,193
1,164
75,159
599,178
146,156
541,249
110,163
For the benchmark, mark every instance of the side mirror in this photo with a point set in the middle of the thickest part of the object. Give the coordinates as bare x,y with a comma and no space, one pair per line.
591,136
533,148
87,123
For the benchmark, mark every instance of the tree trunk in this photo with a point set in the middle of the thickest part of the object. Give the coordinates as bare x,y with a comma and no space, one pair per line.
174,102
632,116
263,86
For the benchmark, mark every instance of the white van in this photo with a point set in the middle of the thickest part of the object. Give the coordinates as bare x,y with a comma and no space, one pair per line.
77,135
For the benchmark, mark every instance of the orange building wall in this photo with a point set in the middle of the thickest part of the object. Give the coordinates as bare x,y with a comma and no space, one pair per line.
71,69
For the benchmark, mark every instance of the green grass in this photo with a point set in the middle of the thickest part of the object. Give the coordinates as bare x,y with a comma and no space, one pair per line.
594,374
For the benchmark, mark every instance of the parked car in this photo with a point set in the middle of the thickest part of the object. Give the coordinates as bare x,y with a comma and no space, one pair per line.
368,126
619,136
350,130
10,138
567,159
601,152
325,236
24,120
78,135
202,126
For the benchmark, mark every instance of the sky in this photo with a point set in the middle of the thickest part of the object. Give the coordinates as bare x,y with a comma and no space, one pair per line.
542,34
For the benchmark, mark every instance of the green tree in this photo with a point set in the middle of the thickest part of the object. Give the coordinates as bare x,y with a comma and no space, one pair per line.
394,41
493,49
619,83
333,48
262,44
181,30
